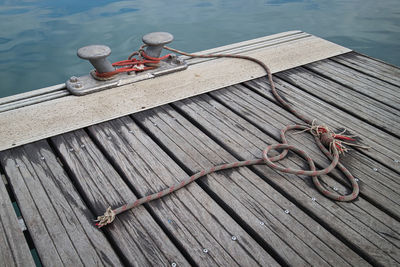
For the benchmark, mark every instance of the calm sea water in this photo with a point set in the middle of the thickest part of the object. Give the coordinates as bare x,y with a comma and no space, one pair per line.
39,39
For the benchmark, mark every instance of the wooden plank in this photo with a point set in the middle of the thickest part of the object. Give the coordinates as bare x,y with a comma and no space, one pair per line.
14,250
59,222
134,233
351,221
71,112
383,190
245,194
370,66
193,219
374,112
362,83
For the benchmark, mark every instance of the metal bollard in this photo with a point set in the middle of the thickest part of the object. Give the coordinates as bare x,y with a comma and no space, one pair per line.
97,55
155,42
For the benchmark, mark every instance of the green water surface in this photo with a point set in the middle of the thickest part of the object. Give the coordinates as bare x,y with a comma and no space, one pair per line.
39,39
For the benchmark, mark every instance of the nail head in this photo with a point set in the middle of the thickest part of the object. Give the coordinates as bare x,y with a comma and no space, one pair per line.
262,223
205,250
287,211
375,169
173,264
234,238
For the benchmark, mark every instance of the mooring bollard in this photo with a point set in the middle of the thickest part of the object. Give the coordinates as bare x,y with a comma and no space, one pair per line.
97,56
155,42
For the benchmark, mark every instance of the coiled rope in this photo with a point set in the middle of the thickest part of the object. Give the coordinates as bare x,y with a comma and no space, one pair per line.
330,143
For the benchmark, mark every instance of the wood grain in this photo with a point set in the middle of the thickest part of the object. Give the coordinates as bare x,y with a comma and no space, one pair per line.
14,250
365,84
370,66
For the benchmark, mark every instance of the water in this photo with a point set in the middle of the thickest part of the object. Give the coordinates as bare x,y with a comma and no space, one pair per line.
39,39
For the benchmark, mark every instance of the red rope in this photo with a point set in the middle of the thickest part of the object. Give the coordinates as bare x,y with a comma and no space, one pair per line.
133,65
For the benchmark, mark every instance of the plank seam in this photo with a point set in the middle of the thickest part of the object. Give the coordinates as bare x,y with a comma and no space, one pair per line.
349,87
359,70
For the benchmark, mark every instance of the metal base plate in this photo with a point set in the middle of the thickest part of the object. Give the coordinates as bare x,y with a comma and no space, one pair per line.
88,84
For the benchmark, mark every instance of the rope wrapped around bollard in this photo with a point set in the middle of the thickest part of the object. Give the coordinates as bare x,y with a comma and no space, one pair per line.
330,143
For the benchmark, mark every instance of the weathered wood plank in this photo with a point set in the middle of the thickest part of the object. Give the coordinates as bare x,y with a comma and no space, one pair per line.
189,215
335,216
348,100
14,250
362,83
370,66
248,197
134,233
57,219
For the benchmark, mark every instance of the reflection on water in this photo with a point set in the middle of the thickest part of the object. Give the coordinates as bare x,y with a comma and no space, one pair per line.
39,39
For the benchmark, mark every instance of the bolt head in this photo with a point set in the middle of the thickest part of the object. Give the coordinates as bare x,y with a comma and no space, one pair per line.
91,52
157,38
78,85
73,79
205,250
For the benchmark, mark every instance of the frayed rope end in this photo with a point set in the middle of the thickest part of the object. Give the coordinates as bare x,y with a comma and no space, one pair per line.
105,219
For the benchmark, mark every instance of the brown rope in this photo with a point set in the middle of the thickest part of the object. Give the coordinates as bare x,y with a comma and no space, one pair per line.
324,138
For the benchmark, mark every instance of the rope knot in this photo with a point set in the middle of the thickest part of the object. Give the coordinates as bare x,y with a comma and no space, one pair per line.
327,139
105,219
333,140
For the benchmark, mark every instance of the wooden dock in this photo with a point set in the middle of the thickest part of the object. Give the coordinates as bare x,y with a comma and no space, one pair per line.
248,216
